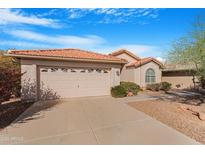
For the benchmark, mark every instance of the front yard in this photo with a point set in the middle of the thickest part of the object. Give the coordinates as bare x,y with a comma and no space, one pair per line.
174,114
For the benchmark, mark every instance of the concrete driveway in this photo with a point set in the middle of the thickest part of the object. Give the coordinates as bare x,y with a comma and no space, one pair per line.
94,120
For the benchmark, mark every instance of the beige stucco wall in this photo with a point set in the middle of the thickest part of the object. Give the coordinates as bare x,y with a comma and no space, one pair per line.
29,81
183,81
127,57
30,78
127,75
137,75
144,68
115,78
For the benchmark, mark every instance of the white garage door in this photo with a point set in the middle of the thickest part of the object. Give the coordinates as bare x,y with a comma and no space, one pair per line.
71,82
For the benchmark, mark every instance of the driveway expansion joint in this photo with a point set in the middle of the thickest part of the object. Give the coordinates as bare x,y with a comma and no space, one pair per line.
89,123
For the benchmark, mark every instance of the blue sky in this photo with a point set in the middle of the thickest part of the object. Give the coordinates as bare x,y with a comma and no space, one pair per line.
147,32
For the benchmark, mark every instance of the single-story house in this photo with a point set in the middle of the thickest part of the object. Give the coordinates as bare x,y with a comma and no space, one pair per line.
65,73
141,71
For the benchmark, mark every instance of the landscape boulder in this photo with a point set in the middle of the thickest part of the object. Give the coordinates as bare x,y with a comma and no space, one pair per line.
130,93
202,116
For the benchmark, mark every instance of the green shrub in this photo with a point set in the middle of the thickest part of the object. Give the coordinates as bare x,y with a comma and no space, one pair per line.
123,89
118,91
130,87
165,86
153,87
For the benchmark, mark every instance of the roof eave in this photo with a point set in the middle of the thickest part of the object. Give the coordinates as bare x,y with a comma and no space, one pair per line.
136,66
118,52
64,59
173,70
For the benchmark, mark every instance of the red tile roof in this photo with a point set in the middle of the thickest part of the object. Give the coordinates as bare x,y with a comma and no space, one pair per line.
118,52
144,61
66,53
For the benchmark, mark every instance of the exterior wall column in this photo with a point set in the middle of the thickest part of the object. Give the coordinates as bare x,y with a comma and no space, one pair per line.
115,78
29,82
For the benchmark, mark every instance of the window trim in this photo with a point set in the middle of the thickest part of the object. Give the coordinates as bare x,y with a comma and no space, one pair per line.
98,70
150,77
73,70
44,70
65,70
54,69
83,71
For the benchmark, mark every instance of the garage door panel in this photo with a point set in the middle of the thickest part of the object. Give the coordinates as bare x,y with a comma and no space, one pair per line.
75,82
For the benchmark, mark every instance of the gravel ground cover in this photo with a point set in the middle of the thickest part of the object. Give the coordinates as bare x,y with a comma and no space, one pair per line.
173,114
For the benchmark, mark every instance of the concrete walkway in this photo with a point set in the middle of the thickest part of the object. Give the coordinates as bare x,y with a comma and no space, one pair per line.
94,120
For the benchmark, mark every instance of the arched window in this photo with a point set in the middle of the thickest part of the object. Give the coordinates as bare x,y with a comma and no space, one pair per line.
150,76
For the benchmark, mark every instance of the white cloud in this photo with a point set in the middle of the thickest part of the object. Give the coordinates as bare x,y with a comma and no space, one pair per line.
161,59
108,11
89,42
145,13
154,15
50,12
22,44
63,40
115,15
7,16
73,13
138,49
48,42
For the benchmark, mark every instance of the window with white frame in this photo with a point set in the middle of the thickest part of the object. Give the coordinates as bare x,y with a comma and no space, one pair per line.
150,76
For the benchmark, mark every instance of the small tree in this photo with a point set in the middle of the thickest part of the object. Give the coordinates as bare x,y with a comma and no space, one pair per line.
10,77
190,50
9,81
8,62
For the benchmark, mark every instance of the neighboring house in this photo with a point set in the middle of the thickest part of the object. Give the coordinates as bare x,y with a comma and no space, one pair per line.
64,73
180,76
141,71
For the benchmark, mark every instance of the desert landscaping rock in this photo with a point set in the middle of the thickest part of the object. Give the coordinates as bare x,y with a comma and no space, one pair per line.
176,115
195,111
130,94
202,116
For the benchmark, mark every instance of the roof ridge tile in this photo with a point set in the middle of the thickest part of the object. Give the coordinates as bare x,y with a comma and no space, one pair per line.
66,53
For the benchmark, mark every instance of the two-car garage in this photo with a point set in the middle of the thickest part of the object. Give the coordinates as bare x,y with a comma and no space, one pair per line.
74,82
66,73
